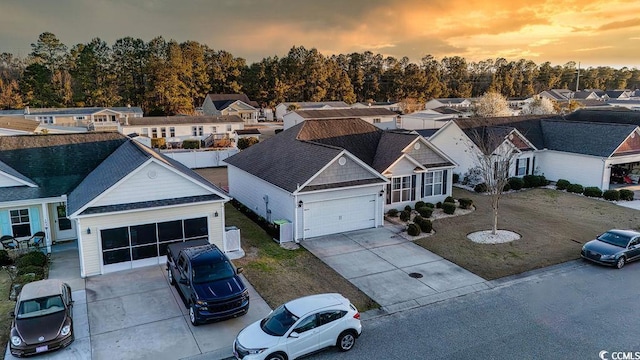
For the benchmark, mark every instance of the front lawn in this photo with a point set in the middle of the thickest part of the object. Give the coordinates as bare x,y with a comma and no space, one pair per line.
553,226
280,275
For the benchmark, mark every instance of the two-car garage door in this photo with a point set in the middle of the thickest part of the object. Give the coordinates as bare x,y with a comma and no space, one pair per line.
339,215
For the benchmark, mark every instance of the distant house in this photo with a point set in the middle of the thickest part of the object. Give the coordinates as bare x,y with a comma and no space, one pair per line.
17,125
283,108
618,95
121,201
89,118
211,130
334,175
560,95
449,102
394,106
379,117
232,104
426,119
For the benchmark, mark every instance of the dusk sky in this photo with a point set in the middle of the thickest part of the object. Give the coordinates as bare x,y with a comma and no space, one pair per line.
593,33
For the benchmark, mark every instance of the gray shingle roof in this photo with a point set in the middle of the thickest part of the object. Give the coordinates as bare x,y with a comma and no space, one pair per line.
150,204
589,138
232,97
344,113
315,105
390,148
615,115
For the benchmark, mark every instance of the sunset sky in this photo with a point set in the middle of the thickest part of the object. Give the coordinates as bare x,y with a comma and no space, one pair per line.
593,33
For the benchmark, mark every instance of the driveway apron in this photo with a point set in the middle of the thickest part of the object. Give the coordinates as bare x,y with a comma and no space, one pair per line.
393,271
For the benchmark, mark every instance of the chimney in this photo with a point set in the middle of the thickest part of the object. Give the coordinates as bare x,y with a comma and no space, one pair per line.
26,110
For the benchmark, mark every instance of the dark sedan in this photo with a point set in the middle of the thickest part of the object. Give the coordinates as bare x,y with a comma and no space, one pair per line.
613,248
42,318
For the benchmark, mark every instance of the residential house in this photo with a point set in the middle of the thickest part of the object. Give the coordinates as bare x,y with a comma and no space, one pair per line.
425,119
449,102
232,104
617,95
380,117
217,131
121,201
559,95
333,175
17,125
283,108
394,106
87,118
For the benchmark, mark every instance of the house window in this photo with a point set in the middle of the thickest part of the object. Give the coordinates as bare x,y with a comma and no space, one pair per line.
100,118
214,130
399,122
80,117
154,133
500,168
229,128
522,167
172,132
194,130
433,183
200,130
376,121
20,222
45,119
145,132
163,132
401,189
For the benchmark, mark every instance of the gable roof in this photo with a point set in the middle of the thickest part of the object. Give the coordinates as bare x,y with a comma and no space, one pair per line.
344,113
589,138
610,115
222,99
184,120
316,104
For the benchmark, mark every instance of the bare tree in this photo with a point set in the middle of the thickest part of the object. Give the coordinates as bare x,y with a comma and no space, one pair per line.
493,155
492,104
539,106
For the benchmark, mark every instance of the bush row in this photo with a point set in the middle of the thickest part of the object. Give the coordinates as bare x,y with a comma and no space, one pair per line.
517,183
425,210
595,192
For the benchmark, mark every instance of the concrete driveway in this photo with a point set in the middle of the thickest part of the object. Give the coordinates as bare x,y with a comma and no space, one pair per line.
391,270
136,314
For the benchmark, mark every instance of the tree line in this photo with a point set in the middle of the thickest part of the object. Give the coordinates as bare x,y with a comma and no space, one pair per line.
165,77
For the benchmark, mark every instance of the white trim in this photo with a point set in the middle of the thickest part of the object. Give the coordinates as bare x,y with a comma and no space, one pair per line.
636,130
145,209
27,183
29,202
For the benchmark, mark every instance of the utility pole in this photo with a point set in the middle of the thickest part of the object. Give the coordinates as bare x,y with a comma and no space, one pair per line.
578,78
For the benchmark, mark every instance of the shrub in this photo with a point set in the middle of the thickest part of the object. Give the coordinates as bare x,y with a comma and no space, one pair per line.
449,199
456,178
480,188
439,205
575,188
417,219
425,225
626,194
405,215
35,258
465,203
611,195
542,180
407,208
534,181
429,205
448,207
506,187
516,183
562,184
413,229
26,278
191,144
5,259
38,270
419,204
392,212
592,191
425,212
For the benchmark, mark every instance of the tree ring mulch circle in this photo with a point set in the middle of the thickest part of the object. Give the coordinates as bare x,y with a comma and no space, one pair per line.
486,237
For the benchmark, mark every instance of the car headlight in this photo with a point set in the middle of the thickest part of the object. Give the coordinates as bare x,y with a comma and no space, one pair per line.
607,257
201,302
16,341
65,330
255,351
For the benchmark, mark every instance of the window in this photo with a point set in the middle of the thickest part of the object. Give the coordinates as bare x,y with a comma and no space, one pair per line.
401,189
376,121
100,118
329,316
20,222
163,132
145,132
306,324
522,167
214,130
197,130
500,168
172,132
154,133
80,117
45,119
229,128
433,182
200,130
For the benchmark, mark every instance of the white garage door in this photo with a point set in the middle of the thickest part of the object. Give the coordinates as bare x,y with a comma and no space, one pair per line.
339,215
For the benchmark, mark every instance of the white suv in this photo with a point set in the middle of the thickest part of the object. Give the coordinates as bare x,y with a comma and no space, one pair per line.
300,327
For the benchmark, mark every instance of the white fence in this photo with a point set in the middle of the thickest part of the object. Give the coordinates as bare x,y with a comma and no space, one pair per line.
203,158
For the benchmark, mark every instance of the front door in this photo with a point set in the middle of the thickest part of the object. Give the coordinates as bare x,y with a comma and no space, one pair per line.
64,228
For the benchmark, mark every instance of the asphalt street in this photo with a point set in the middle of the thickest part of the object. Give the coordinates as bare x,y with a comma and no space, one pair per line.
572,314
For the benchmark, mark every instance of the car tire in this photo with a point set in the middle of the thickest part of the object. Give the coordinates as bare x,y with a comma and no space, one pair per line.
621,262
346,340
192,315
172,281
276,356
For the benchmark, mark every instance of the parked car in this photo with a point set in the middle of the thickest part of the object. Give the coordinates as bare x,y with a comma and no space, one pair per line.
613,248
42,318
300,327
207,281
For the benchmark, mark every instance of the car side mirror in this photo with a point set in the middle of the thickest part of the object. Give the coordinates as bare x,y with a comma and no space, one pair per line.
239,270
294,335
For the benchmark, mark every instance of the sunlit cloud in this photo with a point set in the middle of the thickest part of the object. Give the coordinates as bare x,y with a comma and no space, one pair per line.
595,48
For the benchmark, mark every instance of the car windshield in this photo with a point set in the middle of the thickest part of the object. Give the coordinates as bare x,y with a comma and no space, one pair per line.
39,307
278,322
212,272
614,239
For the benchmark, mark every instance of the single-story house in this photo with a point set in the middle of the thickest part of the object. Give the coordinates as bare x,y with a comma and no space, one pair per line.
121,201
425,119
92,118
333,175
463,103
379,117
175,129
232,104
395,106
17,125
285,107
